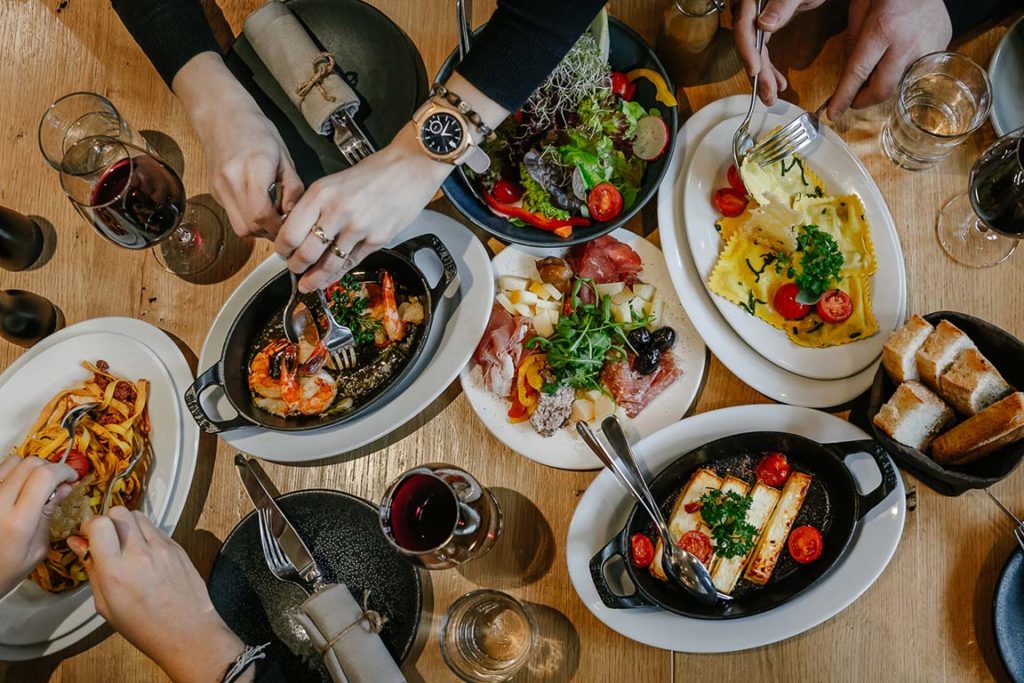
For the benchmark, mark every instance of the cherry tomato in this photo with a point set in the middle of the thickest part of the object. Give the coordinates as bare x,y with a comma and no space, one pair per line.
773,469
622,86
518,116
805,544
835,306
729,202
77,461
690,508
604,202
786,304
736,181
697,544
642,551
507,192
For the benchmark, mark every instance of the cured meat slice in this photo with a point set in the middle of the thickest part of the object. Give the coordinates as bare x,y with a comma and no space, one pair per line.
501,348
634,391
605,259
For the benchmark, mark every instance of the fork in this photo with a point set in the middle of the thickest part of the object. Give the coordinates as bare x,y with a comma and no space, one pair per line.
339,340
790,139
1018,530
742,140
278,564
124,474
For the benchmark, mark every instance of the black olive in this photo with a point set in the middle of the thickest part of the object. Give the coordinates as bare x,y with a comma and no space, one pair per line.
639,339
663,339
647,361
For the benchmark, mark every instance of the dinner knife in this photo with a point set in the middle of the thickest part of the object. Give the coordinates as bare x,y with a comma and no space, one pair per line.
292,544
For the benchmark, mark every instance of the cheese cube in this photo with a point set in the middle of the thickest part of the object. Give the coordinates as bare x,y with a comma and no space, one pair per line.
582,409
644,290
521,296
511,283
502,299
540,290
609,288
553,291
542,323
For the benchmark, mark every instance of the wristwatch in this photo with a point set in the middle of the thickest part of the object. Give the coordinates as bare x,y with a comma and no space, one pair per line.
442,127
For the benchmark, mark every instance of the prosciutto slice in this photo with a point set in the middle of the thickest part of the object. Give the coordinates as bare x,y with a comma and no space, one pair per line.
501,348
634,391
605,259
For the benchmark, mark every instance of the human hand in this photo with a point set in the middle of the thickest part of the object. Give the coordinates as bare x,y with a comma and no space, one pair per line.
775,15
147,588
244,152
25,485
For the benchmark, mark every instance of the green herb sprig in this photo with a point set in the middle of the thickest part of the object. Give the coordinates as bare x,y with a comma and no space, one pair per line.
350,308
818,270
726,514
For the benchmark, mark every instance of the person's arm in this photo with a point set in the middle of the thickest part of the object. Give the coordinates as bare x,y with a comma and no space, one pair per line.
966,14
170,32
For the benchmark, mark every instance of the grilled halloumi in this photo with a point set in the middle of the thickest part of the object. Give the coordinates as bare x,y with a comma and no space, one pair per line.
681,521
730,483
769,547
726,571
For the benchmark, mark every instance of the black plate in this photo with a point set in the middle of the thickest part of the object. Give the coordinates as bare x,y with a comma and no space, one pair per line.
628,51
1008,616
231,371
832,504
344,536
1006,353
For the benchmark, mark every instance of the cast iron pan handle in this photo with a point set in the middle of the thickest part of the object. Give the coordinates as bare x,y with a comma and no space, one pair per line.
604,591
211,378
869,501
414,245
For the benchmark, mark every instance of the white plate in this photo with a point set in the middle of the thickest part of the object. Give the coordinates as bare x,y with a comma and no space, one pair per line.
566,449
742,360
842,173
34,623
603,509
461,318
1006,71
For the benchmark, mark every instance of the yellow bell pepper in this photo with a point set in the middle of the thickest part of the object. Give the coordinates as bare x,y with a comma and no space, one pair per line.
663,94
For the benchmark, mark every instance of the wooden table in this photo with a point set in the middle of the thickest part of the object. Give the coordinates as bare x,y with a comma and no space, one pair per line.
927,617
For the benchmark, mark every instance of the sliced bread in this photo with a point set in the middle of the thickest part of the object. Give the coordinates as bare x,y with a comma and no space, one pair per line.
942,347
899,355
972,384
996,426
914,415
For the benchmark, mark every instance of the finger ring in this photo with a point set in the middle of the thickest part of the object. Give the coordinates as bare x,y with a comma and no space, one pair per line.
339,252
319,232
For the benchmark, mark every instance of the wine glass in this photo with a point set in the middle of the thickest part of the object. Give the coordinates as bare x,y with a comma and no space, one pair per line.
81,115
980,227
135,200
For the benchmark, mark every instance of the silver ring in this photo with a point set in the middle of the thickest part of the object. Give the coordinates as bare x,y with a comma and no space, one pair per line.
319,232
338,251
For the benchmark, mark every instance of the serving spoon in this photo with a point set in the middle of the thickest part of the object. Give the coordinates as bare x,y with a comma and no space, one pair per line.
679,565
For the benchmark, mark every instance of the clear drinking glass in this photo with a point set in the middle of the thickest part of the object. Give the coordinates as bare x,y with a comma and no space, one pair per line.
81,115
942,98
487,636
981,227
439,516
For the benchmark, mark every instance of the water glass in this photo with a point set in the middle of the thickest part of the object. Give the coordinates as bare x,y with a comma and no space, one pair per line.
80,115
486,636
942,98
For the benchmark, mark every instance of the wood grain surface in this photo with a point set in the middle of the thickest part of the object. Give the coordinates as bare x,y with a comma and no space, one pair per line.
928,618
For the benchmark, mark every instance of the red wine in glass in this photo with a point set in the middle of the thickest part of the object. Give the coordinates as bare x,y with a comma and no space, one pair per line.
424,513
997,187
137,202
21,240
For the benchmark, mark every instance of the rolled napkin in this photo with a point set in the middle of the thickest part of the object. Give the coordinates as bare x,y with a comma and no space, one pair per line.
345,633
305,72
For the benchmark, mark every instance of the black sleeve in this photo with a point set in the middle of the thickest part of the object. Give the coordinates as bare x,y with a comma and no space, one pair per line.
966,14
522,43
170,32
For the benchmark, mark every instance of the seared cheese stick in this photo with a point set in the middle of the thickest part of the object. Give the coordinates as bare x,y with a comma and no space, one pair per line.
681,521
766,554
730,483
726,571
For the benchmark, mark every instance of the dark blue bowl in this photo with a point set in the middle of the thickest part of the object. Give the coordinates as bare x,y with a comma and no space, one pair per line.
1008,616
628,51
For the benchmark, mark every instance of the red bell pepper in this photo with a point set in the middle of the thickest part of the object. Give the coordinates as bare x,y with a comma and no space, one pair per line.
559,226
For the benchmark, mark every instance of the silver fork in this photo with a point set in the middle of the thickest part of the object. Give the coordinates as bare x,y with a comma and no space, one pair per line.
1018,530
742,141
124,474
790,139
338,339
278,564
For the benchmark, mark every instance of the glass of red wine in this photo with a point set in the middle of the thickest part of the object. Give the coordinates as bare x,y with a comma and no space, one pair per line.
439,516
981,227
135,200
81,115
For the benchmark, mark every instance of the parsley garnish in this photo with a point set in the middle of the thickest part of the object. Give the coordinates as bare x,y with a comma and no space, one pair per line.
726,514
766,260
819,268
349,308
752,303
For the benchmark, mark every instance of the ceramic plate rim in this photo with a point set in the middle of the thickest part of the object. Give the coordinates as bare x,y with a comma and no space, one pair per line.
995,69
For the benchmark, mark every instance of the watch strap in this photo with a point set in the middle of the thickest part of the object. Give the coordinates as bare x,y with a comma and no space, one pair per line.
476,159
463,108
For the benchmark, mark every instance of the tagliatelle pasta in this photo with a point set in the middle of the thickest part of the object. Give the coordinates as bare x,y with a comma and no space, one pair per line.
104,443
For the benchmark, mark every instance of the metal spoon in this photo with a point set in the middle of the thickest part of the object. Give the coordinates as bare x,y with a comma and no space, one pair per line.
682,567
742,140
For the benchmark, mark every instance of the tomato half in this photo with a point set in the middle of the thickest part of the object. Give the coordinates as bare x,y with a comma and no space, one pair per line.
690,508
785,302
805,544
77,461
729,202
622,86
641,551
697,544
507,192
736,181
835,306
773,469
604,202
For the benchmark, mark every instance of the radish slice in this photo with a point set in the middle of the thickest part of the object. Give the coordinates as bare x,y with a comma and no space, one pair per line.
651,138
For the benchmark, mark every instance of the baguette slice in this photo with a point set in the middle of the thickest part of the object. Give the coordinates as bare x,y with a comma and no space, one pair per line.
726,571
996,426
681,521
914,415
942,347
972,384
769,548
899,355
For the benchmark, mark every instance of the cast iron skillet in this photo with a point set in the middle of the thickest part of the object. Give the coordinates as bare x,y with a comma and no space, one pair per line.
832,504
628,51
231,371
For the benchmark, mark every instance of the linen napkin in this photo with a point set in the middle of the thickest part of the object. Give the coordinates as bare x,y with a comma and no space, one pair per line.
306,73
343,631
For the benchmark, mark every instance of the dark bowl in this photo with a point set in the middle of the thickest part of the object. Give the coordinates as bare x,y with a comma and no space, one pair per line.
628,51
1006,353
230,373
832,504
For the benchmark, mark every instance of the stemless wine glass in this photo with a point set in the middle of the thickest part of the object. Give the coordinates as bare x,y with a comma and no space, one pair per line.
439,516
487,636
942,98
980,227
81,115
137,201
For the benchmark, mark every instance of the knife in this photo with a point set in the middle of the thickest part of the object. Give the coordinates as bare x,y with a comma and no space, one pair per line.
254,480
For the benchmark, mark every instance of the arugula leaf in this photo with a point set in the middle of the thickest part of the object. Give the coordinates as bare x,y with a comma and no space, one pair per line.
726,514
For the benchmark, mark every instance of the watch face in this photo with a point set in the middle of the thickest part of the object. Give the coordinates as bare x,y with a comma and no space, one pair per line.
441,133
